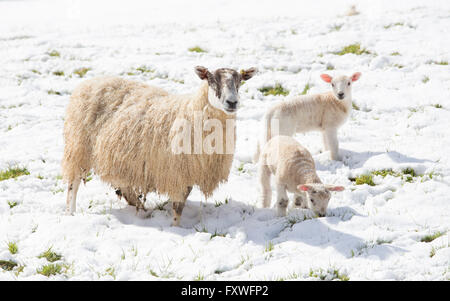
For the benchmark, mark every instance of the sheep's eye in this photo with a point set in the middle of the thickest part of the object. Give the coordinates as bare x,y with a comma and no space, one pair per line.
348,84
312,201
332,85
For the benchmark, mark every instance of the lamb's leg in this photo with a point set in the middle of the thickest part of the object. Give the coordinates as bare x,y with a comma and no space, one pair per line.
282,200
301,199
326,144
331,136
264,181
177,207
71,202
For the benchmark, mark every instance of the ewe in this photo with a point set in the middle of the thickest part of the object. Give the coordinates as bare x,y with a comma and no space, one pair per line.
294,171
324,112
125,131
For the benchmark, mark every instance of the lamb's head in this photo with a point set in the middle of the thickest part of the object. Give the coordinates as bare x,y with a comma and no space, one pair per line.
342,85
224,83
318,196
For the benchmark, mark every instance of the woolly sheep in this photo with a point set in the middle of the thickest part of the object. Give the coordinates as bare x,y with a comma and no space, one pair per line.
324,112
123,130
294,170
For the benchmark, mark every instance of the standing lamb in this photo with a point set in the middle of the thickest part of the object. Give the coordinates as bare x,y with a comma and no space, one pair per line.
294,171
324,112
124,131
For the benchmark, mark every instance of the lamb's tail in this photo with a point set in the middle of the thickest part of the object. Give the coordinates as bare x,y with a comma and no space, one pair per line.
267,135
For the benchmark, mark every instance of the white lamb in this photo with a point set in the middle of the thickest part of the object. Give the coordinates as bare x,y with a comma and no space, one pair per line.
294,171
324,112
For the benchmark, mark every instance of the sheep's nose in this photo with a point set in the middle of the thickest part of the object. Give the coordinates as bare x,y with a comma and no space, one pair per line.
231,103
341,95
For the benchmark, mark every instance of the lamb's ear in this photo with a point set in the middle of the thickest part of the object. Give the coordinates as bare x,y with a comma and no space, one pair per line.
303,187
202,72
249,73
326,78
334,188
356,76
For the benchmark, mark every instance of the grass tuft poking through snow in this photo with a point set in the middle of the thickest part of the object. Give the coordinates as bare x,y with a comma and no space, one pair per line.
7,265
431,237
50,255
353,48
274,90
197,49
13,172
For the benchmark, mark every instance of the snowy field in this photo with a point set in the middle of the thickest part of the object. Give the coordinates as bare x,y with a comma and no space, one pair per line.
396,228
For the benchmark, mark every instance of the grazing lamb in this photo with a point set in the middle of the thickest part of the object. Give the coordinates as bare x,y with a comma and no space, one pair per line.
294,171
124,131
324,112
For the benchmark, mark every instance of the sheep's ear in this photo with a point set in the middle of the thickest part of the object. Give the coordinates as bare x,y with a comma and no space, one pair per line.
303,187
249,73
202,72
334,188
356,76
326,78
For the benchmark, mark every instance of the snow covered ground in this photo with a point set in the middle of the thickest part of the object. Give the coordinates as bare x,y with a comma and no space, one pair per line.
401,120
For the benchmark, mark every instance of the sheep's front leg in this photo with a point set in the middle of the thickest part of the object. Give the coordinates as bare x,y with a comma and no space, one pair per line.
264,181
282,200
333,143
177,207
71,202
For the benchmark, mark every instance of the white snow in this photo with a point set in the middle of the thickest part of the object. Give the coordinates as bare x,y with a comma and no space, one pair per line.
370,232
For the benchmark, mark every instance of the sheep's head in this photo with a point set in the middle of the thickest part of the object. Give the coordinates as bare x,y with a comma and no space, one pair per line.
224,83
318,196
342,85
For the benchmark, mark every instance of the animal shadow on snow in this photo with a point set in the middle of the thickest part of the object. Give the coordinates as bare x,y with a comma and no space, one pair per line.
357,159
252,224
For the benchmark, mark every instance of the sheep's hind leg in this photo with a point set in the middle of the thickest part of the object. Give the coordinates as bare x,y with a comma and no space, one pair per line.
71,202
178,206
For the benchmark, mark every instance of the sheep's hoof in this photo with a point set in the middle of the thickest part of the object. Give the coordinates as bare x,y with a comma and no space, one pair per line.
176,222
69,213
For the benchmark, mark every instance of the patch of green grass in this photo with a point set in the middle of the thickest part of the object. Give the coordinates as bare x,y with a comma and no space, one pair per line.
50,255
276,90
58,73
306,89
438,106
160,206
353,48
35,71
54,53
12,247
53,92
13,172
336,27
269,247
330,67
81,72
425,79
395,53
330,274
50,269
399,66
7,265
355,106
364,179
144,69
197,49
393,24
407,175
431,237
199,277
442,63
12,204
